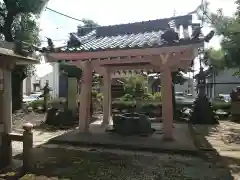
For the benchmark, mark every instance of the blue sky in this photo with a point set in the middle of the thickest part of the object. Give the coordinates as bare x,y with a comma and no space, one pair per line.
109,12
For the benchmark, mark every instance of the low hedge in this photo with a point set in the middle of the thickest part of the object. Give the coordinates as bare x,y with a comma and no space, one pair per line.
148,106
221,105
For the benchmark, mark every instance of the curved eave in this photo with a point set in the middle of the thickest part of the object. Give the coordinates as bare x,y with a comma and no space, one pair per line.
26,60
18,59
108,53
182,42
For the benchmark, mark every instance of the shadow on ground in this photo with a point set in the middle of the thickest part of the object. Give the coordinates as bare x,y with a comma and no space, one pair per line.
48,128
208,152
72,164
92,164
53,128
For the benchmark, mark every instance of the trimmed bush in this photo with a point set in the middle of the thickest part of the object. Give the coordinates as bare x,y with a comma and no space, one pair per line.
150,108
221,105
36,104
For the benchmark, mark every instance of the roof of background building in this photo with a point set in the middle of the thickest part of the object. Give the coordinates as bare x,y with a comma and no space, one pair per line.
137,35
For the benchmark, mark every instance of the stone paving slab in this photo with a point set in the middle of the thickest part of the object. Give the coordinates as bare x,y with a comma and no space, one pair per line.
182,143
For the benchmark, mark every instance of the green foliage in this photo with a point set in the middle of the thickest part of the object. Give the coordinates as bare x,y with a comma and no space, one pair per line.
215,58
18,23
97,100
157,96
228,27
127,97
36,104
19,19
24,6
27,29
219,103
135,85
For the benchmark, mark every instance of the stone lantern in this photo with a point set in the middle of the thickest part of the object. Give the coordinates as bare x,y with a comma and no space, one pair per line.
202,109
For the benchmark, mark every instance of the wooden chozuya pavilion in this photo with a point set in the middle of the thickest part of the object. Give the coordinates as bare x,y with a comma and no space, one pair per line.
163,45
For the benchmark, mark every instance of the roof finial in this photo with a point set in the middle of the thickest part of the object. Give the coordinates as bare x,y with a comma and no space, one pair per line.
174,12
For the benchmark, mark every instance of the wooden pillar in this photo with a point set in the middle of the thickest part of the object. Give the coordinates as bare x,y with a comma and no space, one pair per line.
7,101
107,97
167,108
6,118
28,85
85,97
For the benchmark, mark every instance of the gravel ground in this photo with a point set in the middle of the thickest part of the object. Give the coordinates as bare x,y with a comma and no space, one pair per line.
55,162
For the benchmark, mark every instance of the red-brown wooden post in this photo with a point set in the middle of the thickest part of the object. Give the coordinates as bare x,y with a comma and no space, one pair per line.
167,108
85,97
106,97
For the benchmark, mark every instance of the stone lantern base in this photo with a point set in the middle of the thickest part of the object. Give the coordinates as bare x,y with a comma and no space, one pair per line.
203,112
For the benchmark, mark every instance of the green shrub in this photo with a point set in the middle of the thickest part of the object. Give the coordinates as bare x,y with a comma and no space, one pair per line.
123,105
126,97
94,94
221,105
99,96
157,96
97,99
147,96
36,104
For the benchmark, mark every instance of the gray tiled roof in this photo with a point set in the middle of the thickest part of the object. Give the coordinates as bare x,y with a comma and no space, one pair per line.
135,35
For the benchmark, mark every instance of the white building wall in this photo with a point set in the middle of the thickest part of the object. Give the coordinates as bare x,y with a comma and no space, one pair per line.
52,78
55,85
188,86
34,79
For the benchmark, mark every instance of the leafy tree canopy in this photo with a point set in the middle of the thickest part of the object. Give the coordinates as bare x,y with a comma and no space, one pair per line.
18,21
229,29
